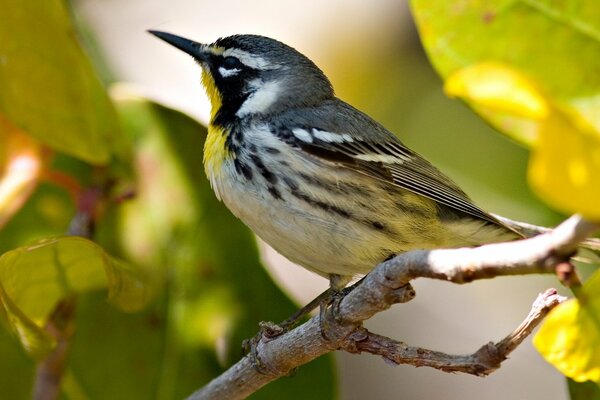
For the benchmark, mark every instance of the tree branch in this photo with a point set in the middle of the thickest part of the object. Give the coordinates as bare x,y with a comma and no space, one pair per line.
481,363
389,283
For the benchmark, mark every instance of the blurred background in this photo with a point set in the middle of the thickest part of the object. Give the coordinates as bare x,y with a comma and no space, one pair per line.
372,54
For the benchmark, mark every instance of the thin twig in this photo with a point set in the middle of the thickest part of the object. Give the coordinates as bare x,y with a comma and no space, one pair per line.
49,371
389,283
483,362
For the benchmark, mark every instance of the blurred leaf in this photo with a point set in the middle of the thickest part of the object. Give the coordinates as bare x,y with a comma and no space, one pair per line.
460,33
583,390
569,338
565,166
498,91
20,169
49,88
16,369
46,214
216,288
36,277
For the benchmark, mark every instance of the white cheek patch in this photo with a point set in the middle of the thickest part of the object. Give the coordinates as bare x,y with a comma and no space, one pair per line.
261,99
226,73
250,59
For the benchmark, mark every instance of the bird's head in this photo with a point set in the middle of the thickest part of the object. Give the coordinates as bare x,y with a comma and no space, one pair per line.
247,75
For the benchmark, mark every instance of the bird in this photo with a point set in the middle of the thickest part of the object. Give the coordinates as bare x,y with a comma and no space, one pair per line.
321,182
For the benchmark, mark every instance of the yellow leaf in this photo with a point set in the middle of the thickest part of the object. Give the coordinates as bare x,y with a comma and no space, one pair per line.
498,87
555,43
35,340
569,339
34,278
564,168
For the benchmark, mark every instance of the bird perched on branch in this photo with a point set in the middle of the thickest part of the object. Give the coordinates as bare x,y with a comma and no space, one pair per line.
321,182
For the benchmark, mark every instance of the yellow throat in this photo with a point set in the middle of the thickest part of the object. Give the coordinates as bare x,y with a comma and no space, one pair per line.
214,147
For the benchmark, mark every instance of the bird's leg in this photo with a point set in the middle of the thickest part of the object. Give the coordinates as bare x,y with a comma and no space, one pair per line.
337,284
336,291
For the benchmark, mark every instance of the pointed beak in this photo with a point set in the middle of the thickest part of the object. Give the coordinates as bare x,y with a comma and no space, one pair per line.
195,49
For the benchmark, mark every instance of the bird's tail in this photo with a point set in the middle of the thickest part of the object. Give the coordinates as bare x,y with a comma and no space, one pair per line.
589,249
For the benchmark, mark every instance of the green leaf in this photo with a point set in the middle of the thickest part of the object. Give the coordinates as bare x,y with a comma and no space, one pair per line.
34,278
569,338
583,390
49,88
556,43
16,369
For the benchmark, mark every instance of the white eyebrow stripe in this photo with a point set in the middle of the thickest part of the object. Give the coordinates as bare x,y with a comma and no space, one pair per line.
250,59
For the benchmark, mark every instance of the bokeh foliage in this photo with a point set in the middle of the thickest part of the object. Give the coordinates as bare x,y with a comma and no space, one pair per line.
186,272
195,268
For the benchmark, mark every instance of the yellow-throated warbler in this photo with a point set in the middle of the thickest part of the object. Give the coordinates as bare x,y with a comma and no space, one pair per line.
320,181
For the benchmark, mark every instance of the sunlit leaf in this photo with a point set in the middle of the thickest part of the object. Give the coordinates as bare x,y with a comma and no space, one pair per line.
20,169
49,88
498,91
556,43
36,277
34,339
565,165
569,338
497,87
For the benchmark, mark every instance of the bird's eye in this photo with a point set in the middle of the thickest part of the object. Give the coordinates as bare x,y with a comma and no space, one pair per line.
231,62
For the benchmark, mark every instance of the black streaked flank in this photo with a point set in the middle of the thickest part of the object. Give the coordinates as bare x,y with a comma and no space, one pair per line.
234,140
268,175
336,187
238,135
274,192
377,225
321,204
290,183
242,169
271,150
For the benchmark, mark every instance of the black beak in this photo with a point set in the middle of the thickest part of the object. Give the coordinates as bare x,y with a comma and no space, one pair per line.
195,49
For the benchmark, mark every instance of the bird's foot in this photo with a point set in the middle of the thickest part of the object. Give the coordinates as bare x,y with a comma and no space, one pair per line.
328,303
329,311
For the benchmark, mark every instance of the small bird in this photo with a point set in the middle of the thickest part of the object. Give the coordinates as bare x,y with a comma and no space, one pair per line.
321,182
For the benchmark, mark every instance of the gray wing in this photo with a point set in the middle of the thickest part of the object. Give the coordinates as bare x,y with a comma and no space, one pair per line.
338,133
